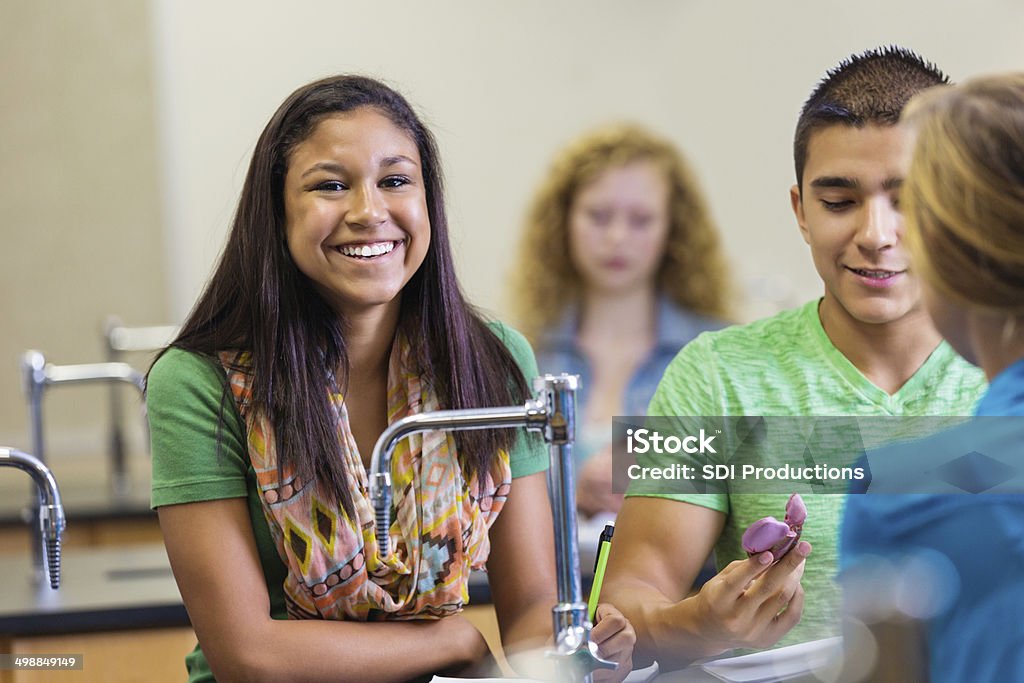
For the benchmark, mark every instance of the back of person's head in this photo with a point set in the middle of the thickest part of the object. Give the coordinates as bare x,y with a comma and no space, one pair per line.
692,272
872,88
964,196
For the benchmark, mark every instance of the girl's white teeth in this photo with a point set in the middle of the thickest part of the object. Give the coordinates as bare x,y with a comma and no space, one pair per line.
368,250
877,274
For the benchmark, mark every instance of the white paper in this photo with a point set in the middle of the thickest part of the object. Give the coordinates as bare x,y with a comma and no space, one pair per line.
635,676
776,665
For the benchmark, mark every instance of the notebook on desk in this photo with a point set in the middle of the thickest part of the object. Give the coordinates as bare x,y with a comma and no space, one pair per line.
782,664
635,676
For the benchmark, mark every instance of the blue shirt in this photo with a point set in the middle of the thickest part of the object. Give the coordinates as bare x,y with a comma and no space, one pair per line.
557,351
1005,395
955,561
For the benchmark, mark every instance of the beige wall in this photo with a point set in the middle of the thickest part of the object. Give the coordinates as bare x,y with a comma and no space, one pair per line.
117,200
504,84
81,233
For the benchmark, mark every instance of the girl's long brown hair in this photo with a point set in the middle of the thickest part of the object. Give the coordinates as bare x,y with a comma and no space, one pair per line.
259,301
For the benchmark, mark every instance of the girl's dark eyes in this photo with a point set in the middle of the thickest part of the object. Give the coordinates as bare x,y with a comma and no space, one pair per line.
395,181
338,186
640,222
330,186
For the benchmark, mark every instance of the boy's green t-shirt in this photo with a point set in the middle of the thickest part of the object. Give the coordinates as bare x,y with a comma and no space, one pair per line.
183,403
785,366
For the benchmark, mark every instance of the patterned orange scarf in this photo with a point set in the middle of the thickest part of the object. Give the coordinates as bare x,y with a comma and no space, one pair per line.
440,519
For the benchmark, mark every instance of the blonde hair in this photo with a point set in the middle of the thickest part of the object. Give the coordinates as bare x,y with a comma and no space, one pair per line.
692,273
963,198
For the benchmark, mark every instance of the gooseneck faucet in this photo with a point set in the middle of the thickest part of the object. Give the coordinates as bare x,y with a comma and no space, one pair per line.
50,515
39,375
552,412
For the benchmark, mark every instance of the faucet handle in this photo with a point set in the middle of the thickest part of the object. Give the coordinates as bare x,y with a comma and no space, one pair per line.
576,656
557,394
33,365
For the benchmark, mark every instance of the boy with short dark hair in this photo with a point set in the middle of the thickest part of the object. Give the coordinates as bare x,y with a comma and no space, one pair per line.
866,348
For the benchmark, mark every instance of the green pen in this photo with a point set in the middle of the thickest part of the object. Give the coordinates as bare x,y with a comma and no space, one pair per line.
603,546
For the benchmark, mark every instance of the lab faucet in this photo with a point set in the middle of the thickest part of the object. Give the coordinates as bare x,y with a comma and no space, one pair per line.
552,412
50,513
39,375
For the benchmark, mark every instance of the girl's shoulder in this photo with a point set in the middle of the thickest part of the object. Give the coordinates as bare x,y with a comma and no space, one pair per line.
517,345
177,365
511,337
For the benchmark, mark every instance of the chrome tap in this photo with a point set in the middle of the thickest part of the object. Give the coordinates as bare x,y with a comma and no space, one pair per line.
119,339
39,374
552,412
50,512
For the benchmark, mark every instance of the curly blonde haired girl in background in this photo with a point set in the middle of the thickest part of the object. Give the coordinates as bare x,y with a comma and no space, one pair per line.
619,267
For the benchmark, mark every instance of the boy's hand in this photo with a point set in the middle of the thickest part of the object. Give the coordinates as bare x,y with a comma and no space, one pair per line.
615,638
751,603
